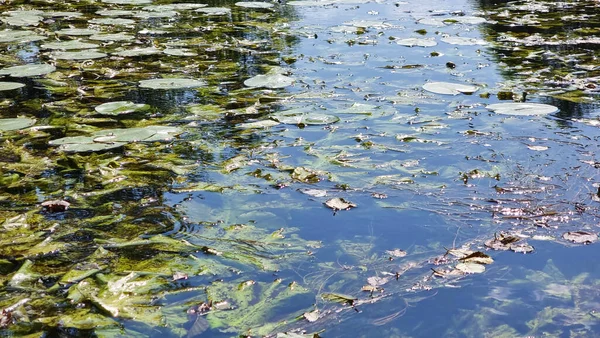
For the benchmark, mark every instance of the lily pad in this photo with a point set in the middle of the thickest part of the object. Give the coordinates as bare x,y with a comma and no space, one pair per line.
145,134
522,108
77,31
67,45
339,203
114,138
120,108
418,42
272,81
304,118
28,70
214,10
128,2
80,55
258,124
16,123
462,41
172,83
10,85
112,21
139,52
112,37
449,88
580,237
23,20
19,36
89,147
254,4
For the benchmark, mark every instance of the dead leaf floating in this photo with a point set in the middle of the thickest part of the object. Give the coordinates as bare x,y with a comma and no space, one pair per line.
339,203
396,253
56,206
477,258
312,316
580,237
470,267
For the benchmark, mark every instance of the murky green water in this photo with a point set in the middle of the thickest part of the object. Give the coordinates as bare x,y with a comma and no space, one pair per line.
346,168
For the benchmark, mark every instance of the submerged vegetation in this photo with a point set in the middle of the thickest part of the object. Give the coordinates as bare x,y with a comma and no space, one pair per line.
246,168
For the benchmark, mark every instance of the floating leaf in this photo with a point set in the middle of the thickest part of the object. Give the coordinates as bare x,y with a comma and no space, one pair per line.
128,2
10,85
311,316
449,88
112,37
254,4
458,40
172,83
139,52
478,258
272,81
502,242
214,10
522,109
112,21
77,31
396,253
580,237
470,267
56,205
80,55
418,42
338,203
120,108
306,175
302,118
28,70
258,124
339,298
377,281
521,247
19,36
314,192
68,45
16,123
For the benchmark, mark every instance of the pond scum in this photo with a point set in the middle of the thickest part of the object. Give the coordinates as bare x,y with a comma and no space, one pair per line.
138,138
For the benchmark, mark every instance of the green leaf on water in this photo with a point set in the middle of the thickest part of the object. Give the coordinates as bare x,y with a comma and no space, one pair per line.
79,55
449,88
214,10
172,83
272,81
10,85
522,108
339,298
16,123
28,70
418,42
299,117
121,107
68,45
254,4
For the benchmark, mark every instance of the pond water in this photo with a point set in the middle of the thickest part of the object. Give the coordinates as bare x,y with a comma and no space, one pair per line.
305,168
